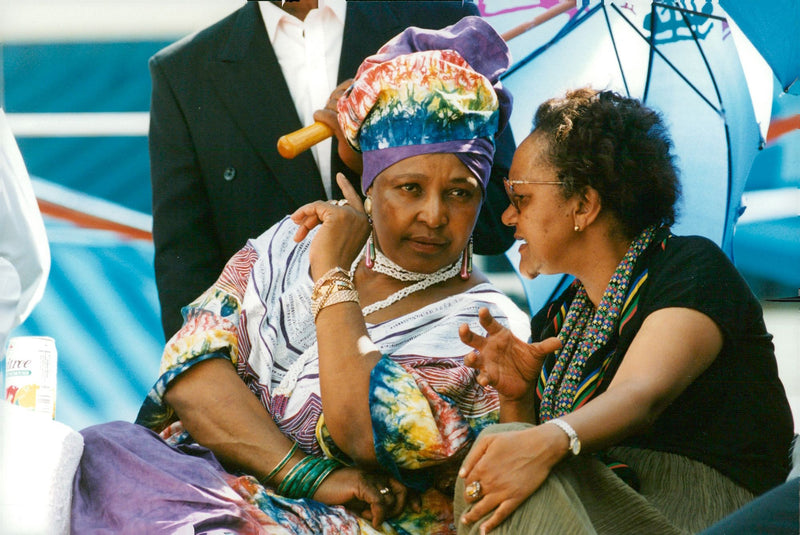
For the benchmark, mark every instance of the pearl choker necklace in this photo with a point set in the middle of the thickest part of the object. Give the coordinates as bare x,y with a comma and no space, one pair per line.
385,266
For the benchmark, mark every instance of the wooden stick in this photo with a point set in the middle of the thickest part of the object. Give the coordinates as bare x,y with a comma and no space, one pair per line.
558,9
292,144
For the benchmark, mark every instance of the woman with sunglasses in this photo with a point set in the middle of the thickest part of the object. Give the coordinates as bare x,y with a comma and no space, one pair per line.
649,400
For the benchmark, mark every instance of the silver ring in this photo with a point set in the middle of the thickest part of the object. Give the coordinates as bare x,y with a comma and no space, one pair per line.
340,202
474,490
385,490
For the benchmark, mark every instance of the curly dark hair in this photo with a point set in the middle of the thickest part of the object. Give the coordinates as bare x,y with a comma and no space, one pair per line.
619,147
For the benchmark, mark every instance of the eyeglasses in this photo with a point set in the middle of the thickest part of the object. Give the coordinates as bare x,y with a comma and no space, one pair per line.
514,198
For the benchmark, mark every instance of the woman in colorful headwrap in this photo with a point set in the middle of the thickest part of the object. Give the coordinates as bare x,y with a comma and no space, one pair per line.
323,369
654,367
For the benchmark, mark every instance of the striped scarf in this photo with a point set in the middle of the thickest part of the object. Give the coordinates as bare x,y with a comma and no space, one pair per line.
585,331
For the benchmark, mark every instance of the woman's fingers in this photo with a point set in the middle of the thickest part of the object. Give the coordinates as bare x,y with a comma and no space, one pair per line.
472,458
488,322
383,496
548,345
350,193
400,494
307,217
500,513
473,340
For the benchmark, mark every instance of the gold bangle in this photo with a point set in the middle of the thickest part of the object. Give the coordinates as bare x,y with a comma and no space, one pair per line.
336,273
335,286
334,281
339,296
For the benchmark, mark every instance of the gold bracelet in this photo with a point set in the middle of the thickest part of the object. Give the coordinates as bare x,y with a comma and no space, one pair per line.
336,273
333,282
328,290
339,296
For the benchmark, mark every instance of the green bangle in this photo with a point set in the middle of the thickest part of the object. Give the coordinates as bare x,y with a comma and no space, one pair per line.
306,476
311,476
280,465
288,486
330,466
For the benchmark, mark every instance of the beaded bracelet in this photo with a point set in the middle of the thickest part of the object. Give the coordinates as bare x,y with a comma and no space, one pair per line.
280,465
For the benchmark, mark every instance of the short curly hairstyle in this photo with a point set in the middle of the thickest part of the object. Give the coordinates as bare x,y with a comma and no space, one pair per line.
619,147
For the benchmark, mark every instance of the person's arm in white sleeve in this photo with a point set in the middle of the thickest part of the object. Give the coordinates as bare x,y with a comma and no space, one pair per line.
24,250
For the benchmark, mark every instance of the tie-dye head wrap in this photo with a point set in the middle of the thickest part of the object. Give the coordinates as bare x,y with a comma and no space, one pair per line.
428,91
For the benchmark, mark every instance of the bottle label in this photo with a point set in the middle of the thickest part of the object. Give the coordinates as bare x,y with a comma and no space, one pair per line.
30,382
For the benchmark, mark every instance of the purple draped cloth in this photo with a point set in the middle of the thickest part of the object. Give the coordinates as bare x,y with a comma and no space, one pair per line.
121,460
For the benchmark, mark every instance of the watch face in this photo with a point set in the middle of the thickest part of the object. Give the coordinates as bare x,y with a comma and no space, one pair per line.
575,446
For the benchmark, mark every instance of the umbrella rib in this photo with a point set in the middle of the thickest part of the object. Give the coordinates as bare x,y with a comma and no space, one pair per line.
573,23
668,62
616,53
725,122
651,47
690,11
705,59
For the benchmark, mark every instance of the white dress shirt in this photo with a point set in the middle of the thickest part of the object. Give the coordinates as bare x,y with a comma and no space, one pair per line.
308,52
24,250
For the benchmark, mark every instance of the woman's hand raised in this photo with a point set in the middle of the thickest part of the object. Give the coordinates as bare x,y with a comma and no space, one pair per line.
344,231
375,497
504,361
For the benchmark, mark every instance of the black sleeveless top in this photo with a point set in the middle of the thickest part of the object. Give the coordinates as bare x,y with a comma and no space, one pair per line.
735,417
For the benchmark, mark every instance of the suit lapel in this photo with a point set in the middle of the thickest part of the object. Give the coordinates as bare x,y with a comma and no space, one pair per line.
248,79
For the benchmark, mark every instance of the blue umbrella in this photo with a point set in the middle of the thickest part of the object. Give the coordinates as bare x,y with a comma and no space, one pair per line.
677,59
774,29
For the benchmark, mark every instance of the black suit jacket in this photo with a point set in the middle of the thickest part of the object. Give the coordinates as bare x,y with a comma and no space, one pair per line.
219,104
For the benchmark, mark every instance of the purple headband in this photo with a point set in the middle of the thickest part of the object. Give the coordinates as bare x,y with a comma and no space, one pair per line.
476,154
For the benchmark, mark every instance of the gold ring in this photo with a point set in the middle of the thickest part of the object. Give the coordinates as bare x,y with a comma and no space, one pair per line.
474,490
385,490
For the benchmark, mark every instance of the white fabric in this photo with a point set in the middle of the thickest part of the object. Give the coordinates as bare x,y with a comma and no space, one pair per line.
284,361
308,52
38,460
24,251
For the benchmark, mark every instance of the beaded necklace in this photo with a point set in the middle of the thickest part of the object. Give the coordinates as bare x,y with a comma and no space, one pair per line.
386,266
585,331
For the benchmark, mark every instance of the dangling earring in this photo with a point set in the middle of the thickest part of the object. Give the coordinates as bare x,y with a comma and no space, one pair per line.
368,207
466,260
369,260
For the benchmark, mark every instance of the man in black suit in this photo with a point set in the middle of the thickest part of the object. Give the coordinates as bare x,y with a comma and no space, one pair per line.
219,104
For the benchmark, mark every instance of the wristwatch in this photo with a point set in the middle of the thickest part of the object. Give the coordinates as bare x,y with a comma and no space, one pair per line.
574,442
